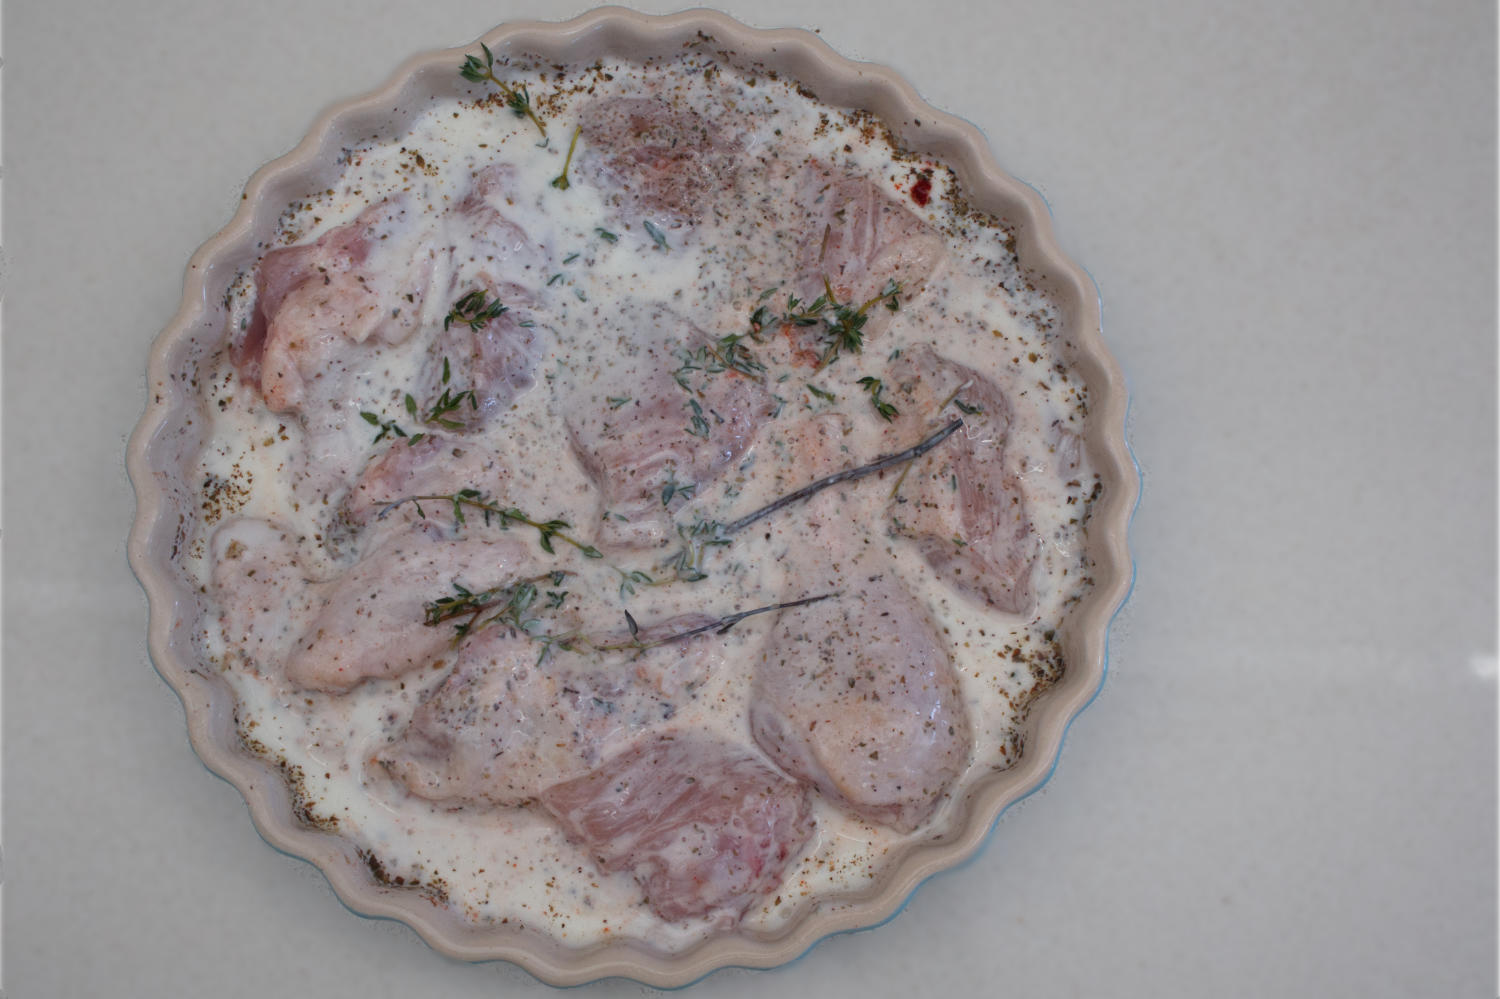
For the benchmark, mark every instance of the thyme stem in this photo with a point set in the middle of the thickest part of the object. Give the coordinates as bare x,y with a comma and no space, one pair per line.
848,475
507,515
561,181
718,627
516,599
518,101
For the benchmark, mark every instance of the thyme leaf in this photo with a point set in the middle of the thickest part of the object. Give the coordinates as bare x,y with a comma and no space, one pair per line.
885,410
698,425
820,393
388,428
659,237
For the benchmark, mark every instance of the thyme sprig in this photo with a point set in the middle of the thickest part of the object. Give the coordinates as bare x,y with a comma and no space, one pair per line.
474,311
513,601
697,538
512,605
846,331
630,579
499,515
561,181
728,353
842,323
674,488
386,428
516,98
448,402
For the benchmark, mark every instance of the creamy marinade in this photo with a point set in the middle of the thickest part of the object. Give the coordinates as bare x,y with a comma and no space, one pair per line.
488,414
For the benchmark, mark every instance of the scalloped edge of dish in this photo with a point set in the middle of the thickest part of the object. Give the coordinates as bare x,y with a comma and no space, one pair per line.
167,425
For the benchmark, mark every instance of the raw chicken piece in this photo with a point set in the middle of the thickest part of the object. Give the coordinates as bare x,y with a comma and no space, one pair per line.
260,584
496,363
510,721
662,434
372,277
704,826
961,503
434,465
656,160
858,239
326,311
496,359
314,301
490,246
370,622
857,696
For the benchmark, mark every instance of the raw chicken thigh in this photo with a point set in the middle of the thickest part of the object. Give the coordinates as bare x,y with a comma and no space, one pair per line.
515,716
661,433
962,504
703,825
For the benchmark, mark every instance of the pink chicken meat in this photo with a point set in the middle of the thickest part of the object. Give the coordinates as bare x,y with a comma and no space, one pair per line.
509,722
962,504
661,433
856,695
704,826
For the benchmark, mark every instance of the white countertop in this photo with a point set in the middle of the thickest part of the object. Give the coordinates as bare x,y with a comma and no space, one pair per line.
1288,784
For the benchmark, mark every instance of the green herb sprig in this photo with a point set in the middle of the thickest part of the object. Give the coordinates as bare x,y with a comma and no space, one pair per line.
728,353
475,311
448,402
516,98
842,323
512,605
498,515
387,428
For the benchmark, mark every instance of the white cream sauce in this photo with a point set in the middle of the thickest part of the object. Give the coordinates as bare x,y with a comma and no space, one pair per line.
513,865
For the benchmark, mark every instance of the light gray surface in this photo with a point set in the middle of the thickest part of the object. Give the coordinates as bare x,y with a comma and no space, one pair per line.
1288,784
